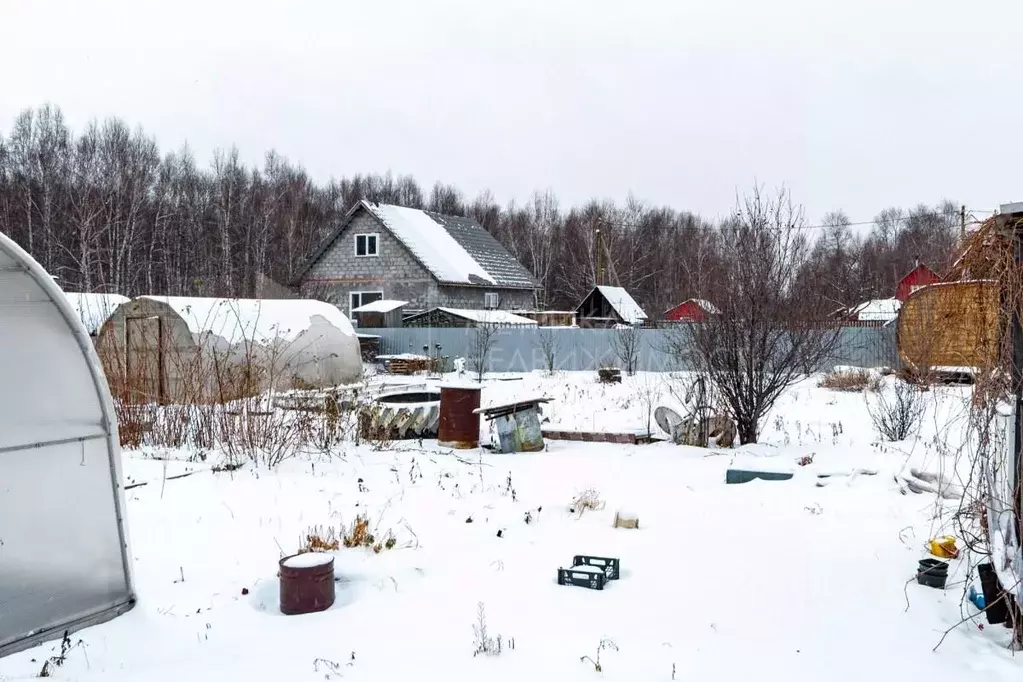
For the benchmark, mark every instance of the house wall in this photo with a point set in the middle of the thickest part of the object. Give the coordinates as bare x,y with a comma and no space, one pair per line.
473,297
688,311
920,276
395,272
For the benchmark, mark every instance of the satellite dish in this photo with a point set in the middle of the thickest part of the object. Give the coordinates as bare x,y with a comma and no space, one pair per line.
667,419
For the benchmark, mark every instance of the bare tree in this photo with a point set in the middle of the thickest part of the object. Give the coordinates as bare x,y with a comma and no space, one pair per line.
550,345
481,343
627,342
106,210
765,338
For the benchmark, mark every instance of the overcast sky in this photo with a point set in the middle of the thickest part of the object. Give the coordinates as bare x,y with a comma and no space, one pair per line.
855,105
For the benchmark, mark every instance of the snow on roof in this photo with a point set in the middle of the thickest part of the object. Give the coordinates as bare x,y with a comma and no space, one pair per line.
432,244
623,303
706,305
256,320
878,309
496,317
94,309
381,306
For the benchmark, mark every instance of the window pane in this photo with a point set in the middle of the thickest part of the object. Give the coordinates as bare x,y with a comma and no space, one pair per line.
369,298
360,245
371,245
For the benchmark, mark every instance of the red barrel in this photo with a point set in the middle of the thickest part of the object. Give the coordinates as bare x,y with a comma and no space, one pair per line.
459,426
307,583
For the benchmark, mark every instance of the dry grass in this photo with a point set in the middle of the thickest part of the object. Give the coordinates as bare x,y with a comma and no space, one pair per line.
588,499
320,539
359,534
850,381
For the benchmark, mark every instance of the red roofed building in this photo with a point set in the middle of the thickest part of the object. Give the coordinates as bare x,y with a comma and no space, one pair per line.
920,276
693,310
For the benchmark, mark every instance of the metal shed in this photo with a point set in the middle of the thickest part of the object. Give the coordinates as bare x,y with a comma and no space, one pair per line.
64,563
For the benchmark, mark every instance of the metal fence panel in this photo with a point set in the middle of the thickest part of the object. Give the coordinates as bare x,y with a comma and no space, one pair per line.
519,349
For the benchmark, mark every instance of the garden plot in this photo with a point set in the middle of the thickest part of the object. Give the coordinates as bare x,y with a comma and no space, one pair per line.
783,579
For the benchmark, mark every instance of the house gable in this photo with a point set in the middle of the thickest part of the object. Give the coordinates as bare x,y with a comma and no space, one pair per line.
918,277
451,249
338,275
393,261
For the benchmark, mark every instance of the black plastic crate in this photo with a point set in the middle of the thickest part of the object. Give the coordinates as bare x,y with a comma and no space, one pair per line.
595,580
612,567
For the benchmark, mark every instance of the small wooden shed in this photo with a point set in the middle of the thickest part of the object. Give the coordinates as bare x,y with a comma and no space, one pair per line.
378,314
608,306
179,349
950,325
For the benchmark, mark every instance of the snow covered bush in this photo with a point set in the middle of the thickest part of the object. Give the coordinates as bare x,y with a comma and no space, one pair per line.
898,411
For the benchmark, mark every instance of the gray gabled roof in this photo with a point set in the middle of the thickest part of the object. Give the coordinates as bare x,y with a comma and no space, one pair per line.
453,249
501,265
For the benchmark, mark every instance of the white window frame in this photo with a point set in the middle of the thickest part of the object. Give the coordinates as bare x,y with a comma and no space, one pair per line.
491,295
351,299
376,245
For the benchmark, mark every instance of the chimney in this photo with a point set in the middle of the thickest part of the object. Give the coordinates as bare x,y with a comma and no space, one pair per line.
916,262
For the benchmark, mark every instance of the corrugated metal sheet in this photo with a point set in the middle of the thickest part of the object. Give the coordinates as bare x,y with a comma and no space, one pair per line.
520,349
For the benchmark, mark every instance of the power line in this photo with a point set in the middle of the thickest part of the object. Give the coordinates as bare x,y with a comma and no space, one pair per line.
895,219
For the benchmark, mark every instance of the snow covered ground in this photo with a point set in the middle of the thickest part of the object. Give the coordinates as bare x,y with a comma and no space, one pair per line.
765,580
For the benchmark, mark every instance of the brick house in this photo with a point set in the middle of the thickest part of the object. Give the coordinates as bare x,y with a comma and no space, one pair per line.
429,259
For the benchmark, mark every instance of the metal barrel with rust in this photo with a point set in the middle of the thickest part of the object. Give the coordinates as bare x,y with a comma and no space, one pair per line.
306,583
459,425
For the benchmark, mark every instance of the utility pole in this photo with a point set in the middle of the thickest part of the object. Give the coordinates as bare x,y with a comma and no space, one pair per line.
1010,220
600,267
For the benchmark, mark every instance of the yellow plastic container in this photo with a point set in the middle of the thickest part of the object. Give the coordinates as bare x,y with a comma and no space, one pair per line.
944,547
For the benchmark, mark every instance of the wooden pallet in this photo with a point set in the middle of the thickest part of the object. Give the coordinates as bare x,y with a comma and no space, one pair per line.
409,366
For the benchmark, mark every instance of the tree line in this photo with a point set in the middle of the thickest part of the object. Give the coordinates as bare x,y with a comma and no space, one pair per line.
105,209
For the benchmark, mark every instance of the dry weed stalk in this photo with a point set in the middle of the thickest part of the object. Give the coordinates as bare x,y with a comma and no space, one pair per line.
588,499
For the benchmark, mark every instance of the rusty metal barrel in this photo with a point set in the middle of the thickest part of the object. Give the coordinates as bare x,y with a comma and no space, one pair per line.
459,426
307,583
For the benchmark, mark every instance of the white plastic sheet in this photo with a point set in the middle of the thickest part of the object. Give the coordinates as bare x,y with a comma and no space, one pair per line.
63,556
